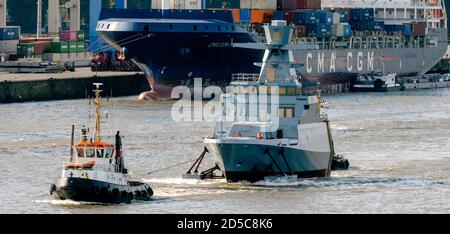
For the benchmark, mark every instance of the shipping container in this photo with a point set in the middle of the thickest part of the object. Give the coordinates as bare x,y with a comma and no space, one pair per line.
405,29
60,47
73,47
325,17
245,15
223,4
342,30
362,14
42,47
261,16
284,15
259,4
368,26
278,15
25,50
179,4
71,36
236,15
185,4
81,47
81,36
288,5
336,18
34,40
9,46
9,33
345,15
419,29
299,4
319,30
309,4
305,17
300,30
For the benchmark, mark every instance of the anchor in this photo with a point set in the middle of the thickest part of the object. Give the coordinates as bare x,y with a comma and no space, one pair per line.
204,175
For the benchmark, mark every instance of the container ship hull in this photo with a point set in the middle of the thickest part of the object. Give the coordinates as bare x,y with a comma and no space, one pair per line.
171,58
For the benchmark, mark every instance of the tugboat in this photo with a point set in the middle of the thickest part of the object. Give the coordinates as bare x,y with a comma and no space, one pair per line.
376,82
96,171
296,142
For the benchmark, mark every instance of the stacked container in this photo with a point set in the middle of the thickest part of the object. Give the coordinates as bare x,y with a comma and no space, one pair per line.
185,4
363,19
362,14
33,50
9,39
73,40
404,29
342,30
290,5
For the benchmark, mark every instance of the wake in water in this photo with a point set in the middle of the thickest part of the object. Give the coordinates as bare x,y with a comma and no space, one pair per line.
68,202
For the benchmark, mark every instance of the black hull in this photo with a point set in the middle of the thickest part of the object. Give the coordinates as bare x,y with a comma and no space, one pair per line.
85,190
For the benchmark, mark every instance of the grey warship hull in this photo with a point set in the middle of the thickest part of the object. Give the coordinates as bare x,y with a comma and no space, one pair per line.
254,162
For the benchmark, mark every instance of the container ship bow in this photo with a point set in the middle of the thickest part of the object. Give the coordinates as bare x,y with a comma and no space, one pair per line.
175,46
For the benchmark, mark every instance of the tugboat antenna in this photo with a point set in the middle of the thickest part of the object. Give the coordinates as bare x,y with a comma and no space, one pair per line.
98,104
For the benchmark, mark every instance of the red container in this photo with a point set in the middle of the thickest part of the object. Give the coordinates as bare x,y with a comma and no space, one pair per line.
299,4
300,30
41,47
287,4
419,29
71,36
309,4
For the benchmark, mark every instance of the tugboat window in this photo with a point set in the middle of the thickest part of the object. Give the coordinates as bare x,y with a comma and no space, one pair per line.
100,153
108,153
90,153
80,153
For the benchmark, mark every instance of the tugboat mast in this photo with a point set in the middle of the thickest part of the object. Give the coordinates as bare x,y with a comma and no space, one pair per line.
98,104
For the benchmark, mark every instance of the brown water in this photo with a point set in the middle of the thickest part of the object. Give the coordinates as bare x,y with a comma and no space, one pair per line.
397,143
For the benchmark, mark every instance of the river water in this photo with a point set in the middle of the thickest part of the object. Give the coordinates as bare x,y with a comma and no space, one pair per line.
398,145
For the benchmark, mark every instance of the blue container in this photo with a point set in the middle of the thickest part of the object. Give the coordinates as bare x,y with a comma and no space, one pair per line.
362,14
405,29
10,33
278,15
347,31
245,15
325,17
368,26
319,30
306,17
376,26
345,15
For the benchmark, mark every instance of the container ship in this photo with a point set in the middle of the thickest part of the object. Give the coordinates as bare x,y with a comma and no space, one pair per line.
183,40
